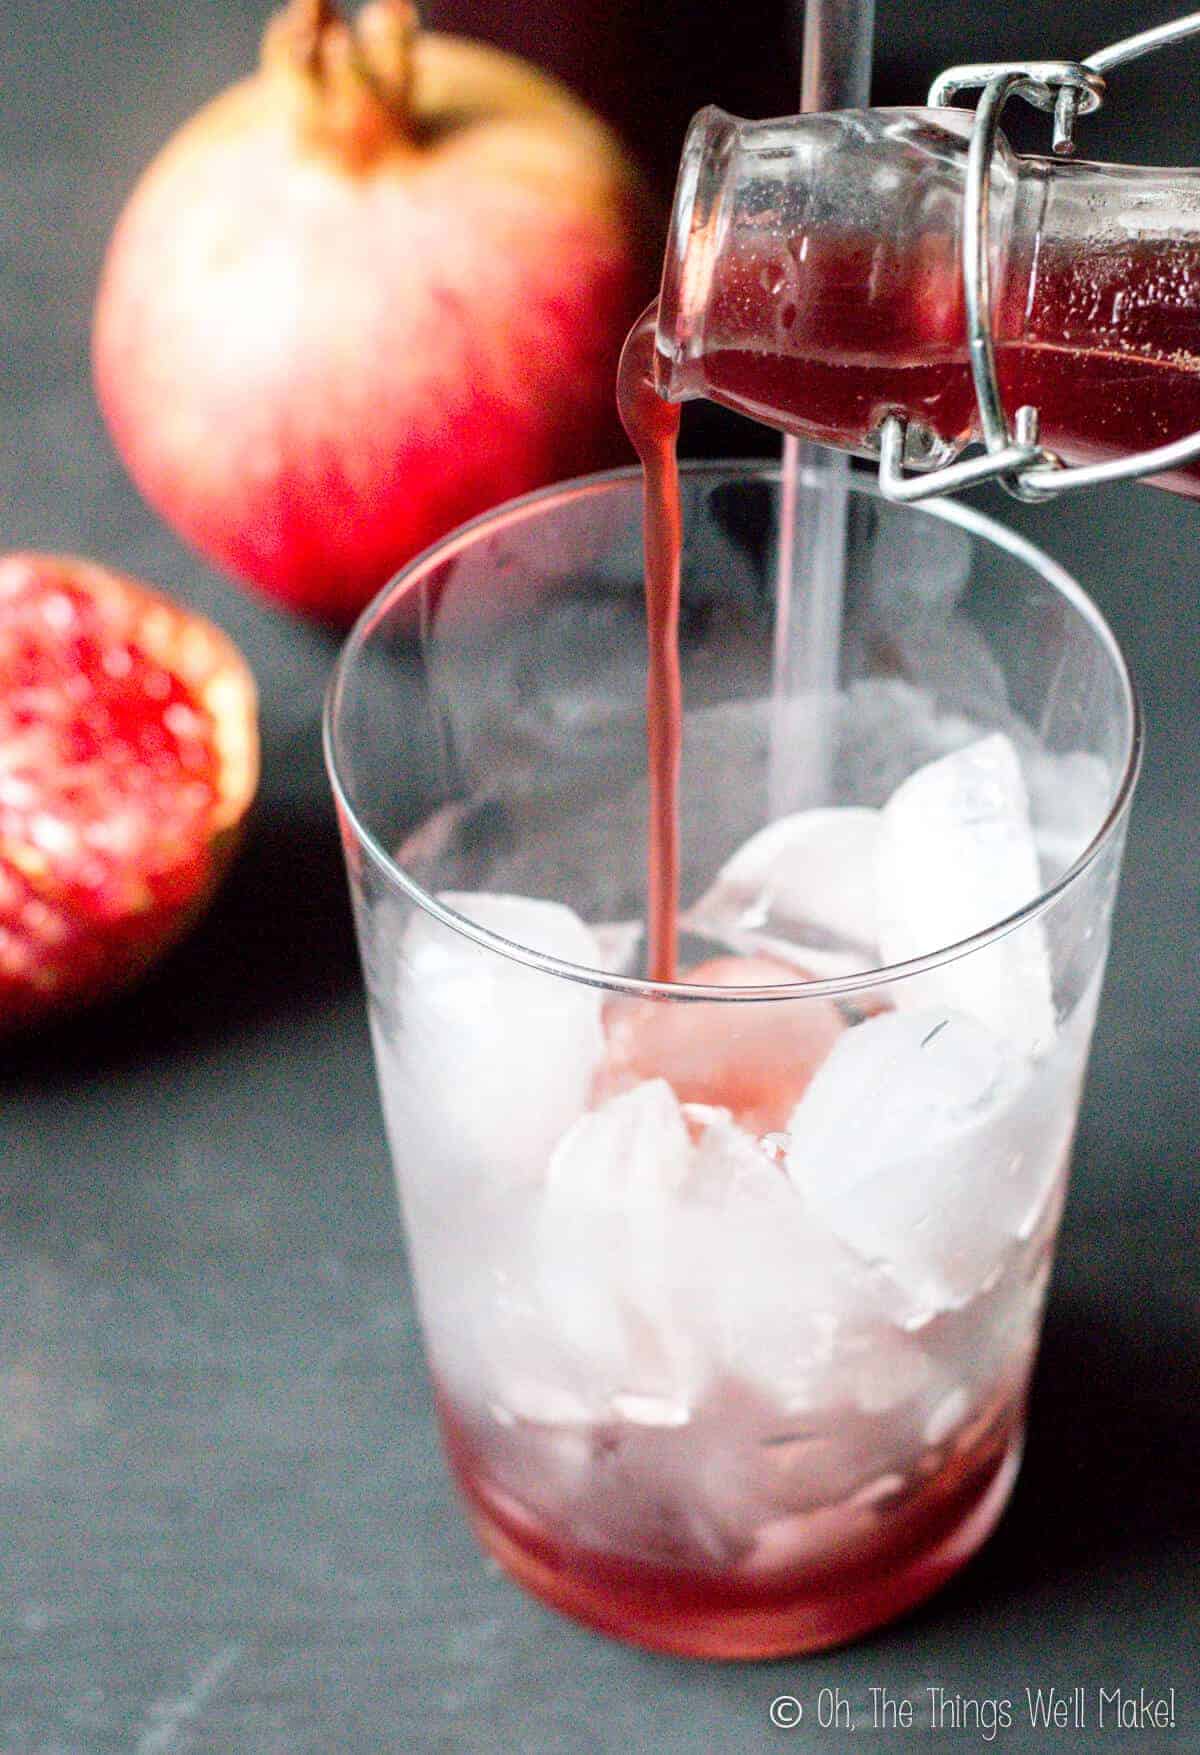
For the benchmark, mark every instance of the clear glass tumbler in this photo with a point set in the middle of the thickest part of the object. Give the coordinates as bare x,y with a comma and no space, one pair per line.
731,1289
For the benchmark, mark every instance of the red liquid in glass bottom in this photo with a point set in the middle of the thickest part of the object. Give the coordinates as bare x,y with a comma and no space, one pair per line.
848,1569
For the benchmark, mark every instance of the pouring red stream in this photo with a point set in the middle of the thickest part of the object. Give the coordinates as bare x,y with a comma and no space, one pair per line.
653,428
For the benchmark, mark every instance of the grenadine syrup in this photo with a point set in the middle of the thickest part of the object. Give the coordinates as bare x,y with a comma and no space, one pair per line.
1105,343
653,428
635,1560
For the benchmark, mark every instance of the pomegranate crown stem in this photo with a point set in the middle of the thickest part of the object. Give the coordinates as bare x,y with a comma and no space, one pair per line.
309,20
353,76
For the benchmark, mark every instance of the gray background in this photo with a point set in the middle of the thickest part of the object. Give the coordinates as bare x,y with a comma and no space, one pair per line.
224,1525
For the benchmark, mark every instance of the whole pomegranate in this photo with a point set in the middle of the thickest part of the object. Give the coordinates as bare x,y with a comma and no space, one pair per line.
128,761
371,291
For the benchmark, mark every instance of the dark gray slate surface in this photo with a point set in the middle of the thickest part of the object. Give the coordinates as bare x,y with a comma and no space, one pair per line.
224,1525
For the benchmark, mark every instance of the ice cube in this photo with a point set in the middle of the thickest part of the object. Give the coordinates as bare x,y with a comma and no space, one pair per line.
913,1146
489,1342
626,1156
607,1251
784,1300
495,1059
802,881
956,854
883,1369
790,1544
726,1157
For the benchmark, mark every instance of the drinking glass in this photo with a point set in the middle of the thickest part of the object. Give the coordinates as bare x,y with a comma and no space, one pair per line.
731,1289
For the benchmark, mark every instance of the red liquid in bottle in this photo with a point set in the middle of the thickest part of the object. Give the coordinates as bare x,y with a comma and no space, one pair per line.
1104,343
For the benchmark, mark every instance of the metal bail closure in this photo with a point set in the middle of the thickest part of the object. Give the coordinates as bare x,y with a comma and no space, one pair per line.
1012,455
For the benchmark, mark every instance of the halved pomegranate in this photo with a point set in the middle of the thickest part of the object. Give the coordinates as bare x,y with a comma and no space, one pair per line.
128,761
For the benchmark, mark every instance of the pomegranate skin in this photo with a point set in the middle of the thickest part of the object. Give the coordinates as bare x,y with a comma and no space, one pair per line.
329,329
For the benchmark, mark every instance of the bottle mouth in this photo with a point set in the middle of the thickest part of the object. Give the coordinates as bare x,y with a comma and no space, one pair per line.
694,241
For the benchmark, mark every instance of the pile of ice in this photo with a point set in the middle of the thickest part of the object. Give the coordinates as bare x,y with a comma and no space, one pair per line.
666,1252
621,1262
950,853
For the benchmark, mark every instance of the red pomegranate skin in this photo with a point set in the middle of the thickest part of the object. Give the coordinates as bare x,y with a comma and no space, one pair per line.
331,328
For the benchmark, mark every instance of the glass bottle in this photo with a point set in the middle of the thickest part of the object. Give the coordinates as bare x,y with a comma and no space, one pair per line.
813,281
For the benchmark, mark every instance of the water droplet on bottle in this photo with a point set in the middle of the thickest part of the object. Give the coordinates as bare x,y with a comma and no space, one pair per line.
773,278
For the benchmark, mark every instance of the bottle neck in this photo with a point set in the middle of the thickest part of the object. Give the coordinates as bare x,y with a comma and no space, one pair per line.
695,242
764,210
